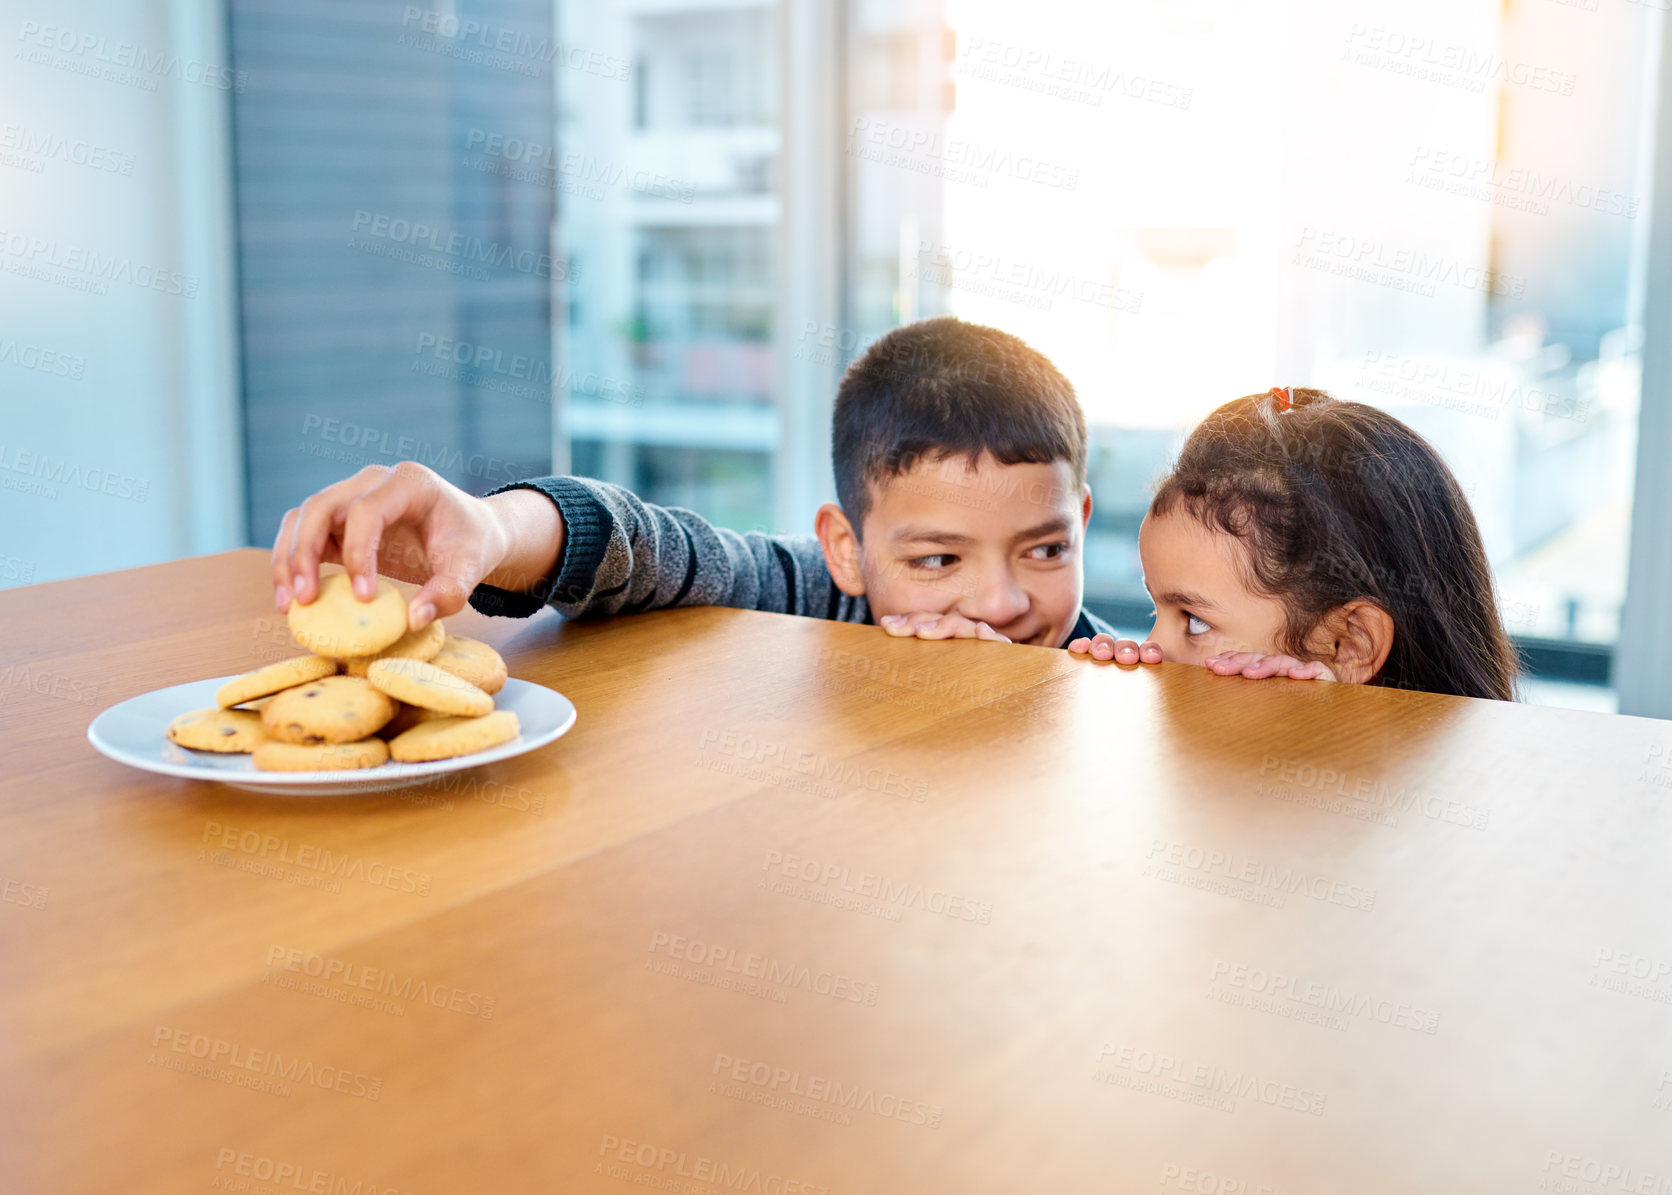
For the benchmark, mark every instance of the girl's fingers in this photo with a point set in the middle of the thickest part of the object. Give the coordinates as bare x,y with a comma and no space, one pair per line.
1104,646
1256,666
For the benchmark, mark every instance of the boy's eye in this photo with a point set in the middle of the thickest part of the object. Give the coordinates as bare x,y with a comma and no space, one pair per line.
1050,551
1195,626
942,560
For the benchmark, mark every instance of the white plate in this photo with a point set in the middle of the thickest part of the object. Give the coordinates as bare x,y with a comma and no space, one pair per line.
134,733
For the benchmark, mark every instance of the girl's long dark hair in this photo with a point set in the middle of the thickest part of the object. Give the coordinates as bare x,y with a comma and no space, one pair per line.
1336,502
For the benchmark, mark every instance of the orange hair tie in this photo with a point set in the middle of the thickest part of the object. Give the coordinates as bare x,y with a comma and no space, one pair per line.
1281,394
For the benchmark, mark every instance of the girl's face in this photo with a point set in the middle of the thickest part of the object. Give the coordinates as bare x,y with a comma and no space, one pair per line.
1203,606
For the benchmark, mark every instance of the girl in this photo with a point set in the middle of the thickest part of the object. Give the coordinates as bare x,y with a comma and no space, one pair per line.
1299,535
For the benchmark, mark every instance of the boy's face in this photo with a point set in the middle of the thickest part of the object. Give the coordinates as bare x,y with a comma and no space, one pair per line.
1203,605
999,544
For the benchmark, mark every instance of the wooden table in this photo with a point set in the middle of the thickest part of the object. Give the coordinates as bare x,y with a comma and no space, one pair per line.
799,908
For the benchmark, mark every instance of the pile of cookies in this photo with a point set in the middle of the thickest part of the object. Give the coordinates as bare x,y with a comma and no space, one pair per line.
371,691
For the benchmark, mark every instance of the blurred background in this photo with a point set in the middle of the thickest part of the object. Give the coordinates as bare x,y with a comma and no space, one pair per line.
250,246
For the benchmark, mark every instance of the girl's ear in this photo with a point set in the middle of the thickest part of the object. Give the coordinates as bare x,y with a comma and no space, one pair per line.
1354,640
841,549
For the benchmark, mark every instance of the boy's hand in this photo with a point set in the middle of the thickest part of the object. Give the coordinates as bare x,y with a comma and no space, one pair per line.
937,626
404,521
1121,651
1253,664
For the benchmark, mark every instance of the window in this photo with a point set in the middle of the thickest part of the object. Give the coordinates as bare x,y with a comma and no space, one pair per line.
667,192
395,263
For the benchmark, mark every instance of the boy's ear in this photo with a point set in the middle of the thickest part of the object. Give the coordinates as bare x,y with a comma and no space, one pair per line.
1354,640
841,549
1085,510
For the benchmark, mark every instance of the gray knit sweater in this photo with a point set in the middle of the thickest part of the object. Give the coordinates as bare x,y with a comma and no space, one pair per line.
622,555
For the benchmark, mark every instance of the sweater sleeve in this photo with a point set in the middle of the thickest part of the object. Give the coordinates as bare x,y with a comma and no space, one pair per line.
622,555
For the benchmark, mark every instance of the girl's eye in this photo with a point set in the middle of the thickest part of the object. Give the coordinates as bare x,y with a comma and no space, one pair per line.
1052,551
932,562
1195,626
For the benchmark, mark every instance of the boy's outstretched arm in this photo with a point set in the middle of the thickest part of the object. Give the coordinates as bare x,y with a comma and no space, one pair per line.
586,547
622,555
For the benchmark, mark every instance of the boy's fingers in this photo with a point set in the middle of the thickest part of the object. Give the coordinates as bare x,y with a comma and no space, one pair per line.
281,561
983,631
400,496
1080,646
316,518
440,596
945,626
907,625
457,568
1149,653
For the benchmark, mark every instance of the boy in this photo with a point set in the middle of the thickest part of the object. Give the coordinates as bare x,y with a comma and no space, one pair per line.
960,461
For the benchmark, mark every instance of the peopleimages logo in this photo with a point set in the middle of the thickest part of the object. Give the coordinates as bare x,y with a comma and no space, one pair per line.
289,1176
1212,1080
788,1082
36,257
481,360
1271,882
414,235
212,1052
38,145
384,982
48,361
126,54
451,34
581,169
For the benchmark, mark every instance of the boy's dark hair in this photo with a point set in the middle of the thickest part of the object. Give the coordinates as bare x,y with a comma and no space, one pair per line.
1338,501
945,388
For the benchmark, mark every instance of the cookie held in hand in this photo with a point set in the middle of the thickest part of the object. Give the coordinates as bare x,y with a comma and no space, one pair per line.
339,625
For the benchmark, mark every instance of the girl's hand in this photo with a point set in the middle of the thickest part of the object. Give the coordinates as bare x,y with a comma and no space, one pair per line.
1257,666
937,626
1121,651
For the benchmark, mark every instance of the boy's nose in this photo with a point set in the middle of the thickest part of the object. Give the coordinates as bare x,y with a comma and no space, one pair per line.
997,601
